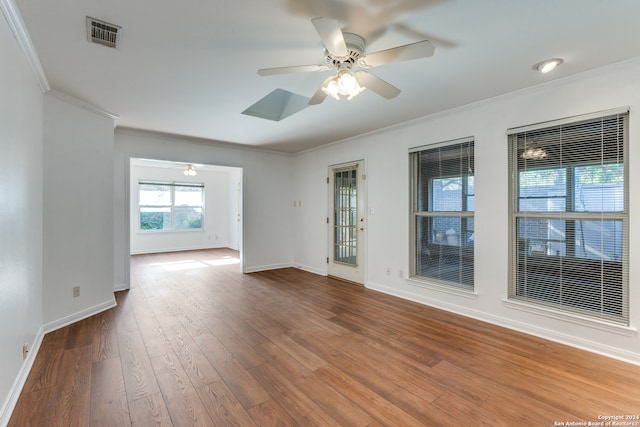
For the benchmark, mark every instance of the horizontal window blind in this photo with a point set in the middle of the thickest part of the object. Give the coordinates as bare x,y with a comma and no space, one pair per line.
443,220
569,120
449,143
570,217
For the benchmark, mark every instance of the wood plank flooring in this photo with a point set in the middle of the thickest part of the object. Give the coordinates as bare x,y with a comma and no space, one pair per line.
194,342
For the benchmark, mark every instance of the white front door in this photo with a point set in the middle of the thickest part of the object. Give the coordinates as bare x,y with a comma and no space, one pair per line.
346,221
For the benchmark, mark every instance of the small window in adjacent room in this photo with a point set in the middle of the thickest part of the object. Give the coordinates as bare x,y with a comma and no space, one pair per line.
442,229
170,206
570,221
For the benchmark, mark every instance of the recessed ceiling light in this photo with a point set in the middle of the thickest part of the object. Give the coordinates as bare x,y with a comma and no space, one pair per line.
547,65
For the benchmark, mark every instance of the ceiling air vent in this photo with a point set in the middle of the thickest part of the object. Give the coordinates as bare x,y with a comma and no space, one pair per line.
102,32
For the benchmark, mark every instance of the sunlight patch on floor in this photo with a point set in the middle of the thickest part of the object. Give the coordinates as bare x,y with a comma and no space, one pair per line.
182,265
193,264
227,260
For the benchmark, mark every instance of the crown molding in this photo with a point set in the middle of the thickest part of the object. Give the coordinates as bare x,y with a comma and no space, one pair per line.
18,28
166,136
82,104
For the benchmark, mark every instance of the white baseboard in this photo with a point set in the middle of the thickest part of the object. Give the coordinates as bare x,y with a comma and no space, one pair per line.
120,287
313,270
259,268
551,335
21,379
91,311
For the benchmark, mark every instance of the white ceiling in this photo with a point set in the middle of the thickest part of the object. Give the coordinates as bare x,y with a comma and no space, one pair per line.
189,67
162,164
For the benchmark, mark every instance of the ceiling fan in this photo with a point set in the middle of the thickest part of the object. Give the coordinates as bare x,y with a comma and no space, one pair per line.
345,52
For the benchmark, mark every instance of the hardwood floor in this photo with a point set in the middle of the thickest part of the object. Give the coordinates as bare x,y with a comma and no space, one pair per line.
194,342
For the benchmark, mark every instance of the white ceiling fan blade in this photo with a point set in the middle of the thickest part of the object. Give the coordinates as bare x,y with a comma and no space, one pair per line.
377,85
294,69
423,49
320,95
331,35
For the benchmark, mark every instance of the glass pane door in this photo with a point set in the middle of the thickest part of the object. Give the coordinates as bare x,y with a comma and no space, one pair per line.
346,222
345,215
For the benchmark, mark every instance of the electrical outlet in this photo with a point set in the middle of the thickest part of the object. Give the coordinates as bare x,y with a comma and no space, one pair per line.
401,274
76,291
25,350
388,271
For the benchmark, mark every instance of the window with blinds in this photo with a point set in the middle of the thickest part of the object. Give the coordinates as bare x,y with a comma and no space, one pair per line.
570,217
442,229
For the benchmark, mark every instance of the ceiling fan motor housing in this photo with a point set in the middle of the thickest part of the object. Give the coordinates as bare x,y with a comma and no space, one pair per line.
355,49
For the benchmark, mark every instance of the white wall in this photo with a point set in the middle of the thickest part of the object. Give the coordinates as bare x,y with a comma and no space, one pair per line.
266,238
78,211
220,210
20,214
235,208
387,235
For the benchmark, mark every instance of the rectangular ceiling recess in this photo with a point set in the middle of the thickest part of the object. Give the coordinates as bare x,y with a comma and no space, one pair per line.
102,32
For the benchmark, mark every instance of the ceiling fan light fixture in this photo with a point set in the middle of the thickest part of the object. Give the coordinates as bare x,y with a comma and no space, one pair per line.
331,88
547,65
344,51
190,171
345,84
347,81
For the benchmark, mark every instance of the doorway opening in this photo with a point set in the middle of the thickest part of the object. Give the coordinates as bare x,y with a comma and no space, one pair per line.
346,222
173,209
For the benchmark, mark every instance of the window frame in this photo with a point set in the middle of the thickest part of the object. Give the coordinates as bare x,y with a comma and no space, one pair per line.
173,185
572,218
463,215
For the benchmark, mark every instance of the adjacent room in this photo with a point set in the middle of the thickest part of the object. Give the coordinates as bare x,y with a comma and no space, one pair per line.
176,206
348,212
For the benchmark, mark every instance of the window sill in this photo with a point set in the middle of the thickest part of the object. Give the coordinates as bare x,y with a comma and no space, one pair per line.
623,330
193,230
441,287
